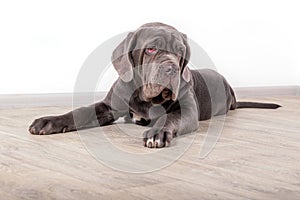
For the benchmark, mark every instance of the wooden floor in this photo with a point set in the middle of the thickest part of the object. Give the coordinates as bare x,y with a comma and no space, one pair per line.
256,157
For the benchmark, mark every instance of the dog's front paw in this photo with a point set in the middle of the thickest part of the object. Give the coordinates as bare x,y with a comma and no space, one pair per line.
47,125
157,138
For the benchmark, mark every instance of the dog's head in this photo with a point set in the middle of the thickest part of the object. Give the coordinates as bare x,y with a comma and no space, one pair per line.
156,55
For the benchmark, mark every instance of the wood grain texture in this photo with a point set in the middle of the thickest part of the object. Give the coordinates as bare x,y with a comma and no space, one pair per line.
256,157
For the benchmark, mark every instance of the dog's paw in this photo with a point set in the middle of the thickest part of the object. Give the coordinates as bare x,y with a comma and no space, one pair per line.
47,125
154,138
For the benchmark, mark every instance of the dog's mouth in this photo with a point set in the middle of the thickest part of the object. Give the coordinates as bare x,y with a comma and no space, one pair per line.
158,94
165,95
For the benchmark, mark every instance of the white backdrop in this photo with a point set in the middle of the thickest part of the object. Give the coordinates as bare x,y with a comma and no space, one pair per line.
44,43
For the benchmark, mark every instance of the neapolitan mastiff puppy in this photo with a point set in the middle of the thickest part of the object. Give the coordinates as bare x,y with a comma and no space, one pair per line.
156,88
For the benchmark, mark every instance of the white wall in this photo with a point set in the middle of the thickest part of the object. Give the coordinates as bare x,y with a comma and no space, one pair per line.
44,43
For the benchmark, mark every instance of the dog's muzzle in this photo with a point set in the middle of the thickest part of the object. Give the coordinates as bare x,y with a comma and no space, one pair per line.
164,83
158,94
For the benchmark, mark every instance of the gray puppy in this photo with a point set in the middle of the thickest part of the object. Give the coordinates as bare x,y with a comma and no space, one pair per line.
156,88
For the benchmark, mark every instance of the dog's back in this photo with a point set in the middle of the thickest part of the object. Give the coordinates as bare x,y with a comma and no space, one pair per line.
215,96
213,93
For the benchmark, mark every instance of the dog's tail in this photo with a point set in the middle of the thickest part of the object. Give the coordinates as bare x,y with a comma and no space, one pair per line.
243,104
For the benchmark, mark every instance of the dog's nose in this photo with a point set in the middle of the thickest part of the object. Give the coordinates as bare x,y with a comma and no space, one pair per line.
171,69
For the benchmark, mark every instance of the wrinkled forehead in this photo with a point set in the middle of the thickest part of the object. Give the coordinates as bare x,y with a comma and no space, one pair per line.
160,38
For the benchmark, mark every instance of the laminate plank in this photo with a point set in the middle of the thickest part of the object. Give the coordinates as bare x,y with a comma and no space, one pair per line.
257,156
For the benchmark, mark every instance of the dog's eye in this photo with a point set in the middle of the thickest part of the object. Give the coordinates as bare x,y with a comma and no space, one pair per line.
151,50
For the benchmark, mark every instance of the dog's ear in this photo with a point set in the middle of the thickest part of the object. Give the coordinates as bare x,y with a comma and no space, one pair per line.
122,60
186,73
